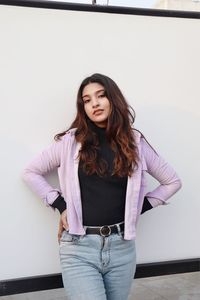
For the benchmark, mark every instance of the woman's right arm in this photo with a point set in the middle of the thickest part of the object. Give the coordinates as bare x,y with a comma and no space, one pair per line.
33,175
42,164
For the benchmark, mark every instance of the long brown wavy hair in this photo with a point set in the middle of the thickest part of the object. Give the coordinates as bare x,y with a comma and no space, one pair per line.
119,131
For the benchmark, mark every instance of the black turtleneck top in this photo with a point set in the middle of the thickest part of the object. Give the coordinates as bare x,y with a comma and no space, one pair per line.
103,198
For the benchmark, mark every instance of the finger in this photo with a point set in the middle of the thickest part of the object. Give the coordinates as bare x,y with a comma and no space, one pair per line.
60,230
60,227
60,234
65,227
65,224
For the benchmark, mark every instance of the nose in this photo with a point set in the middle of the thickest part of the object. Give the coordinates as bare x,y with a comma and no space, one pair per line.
95,102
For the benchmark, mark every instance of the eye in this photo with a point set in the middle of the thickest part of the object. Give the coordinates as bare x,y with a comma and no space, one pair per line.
102,96
86,101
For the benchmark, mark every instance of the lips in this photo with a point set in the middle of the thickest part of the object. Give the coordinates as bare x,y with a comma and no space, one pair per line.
97,111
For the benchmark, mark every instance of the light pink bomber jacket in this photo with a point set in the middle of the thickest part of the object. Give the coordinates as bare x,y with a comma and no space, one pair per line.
62,155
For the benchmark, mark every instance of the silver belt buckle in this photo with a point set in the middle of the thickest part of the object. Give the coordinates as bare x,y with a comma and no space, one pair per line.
105,231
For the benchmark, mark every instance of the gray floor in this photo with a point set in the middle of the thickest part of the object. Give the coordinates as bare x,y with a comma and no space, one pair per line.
170,287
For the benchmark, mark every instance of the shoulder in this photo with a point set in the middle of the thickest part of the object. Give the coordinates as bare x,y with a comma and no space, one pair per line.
68,134
137,136
65,138
137,133
71,131
141,140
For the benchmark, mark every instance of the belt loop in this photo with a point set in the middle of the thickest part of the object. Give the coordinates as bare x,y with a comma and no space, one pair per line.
119,230
85,228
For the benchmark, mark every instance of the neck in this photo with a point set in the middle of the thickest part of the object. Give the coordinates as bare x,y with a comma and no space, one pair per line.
97,128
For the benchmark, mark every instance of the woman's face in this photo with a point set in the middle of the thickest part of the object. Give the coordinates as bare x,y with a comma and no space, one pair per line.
96,104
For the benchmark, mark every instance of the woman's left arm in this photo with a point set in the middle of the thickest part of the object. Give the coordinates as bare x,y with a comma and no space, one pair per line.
157,167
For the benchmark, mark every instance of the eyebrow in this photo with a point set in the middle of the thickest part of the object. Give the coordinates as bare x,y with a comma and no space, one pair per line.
102,90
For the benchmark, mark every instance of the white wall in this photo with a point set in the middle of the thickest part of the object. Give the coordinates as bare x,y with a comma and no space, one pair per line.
44,55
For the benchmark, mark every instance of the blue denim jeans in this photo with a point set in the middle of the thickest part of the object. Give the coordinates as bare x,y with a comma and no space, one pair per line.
96,267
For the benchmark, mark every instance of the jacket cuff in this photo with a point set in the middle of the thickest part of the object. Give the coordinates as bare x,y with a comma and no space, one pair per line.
156,202
146,205
60,204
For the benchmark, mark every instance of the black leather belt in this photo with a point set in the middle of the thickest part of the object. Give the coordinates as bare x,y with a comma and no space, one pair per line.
106,230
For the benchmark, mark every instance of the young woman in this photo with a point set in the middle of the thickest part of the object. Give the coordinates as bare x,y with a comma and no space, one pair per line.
101,162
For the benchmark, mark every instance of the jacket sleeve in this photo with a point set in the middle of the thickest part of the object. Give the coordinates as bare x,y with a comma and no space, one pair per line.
33,174
157,167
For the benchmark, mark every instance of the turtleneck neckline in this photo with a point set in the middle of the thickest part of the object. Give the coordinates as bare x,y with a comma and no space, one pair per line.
97,129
